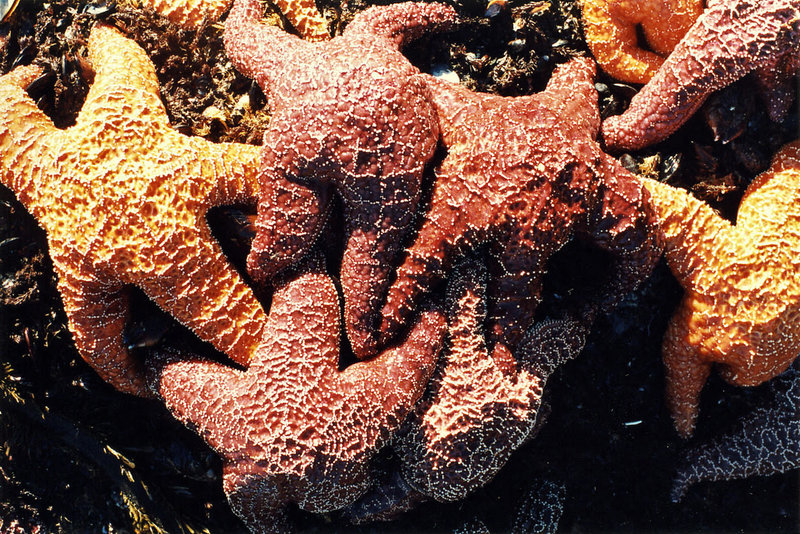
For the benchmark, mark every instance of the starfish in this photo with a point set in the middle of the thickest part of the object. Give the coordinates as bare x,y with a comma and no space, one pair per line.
741,303
521,177
764,442
303,15
351,114
610,27
538,512
292,427
731,38
476,411
123,198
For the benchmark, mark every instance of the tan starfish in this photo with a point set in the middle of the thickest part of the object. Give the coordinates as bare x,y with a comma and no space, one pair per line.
741,307
122,197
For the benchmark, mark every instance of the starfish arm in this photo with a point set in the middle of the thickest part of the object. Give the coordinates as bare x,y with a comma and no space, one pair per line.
366,266
665,22
763,442
188,14
203,291
232,169
256,49
723,45
576,80
290,217
402,22
613,43
474,414
689,231
686,371
305,18
258,501
623,225
514,288
776,83
96,315
387,386
446,229
133,89
24,130
196,392
551,343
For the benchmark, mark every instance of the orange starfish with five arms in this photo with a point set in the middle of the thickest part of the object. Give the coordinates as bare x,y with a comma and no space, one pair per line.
610,29
741,307
122,197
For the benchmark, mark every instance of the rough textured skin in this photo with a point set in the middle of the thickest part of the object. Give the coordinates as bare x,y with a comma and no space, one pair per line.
305,18
350,115
764,442
476,413
610,29
292,427
741,303
189,14
123,199
730,39
522,176
541,508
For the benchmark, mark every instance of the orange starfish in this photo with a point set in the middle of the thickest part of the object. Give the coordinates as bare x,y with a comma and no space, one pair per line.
610,29
123,197
741,307
303,15
292,427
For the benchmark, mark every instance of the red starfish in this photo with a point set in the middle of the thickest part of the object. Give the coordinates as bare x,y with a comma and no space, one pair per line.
522,176
730,39
475,413
292,427
351,113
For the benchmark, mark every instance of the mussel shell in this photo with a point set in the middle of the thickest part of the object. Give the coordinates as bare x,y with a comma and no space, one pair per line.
7,8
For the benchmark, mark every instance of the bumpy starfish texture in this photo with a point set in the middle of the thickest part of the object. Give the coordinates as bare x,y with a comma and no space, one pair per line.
764,442
477,412
731,38
302,14
741,303
188,14
123,198
522,176
610,27
350,115
292,427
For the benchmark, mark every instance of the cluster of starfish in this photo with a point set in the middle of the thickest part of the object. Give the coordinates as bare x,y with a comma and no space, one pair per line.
453,382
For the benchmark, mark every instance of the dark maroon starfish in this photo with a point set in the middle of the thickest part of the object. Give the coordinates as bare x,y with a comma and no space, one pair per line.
350,115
